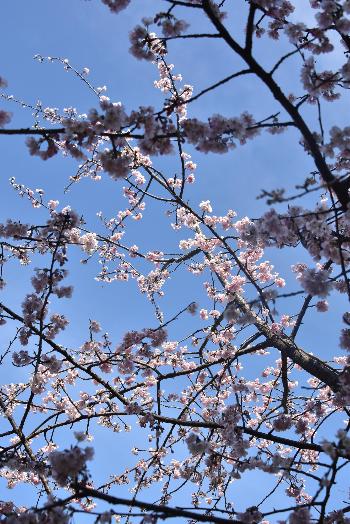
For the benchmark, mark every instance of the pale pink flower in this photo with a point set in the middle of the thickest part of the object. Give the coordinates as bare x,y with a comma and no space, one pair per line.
67,465
322,306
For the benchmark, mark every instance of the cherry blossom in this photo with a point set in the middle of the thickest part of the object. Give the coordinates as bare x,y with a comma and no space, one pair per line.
230,380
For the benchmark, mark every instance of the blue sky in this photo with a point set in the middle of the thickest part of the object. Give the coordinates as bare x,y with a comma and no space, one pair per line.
89,36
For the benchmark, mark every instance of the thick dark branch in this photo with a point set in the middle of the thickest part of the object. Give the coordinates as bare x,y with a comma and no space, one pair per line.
313,365
346,40
195,35
184,4
163,511
60,130
250,28
284,377
30,131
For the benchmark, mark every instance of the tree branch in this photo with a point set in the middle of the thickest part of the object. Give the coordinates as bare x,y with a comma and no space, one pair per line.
164,511
339,187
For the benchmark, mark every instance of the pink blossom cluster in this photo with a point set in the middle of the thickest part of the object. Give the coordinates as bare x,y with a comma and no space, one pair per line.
153,282
116,5
89,242
231,435
251,516
170,25
145,45
13,229
278,11
34,147
179,97
113,118
282,422
5,116
195,445
62,221
276,8
116,165
332,12
319,84
80,135
219,134
57,324
300,516
67,465
33,309
45,279
14,515
22,358
316,282
132,338
298,225
339,140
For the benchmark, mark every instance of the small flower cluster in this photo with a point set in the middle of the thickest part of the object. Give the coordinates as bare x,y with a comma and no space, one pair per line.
67,465
332,12
170,25
319,84
195,445
315,281
218,135
145,45
116,5
54,515
5,116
